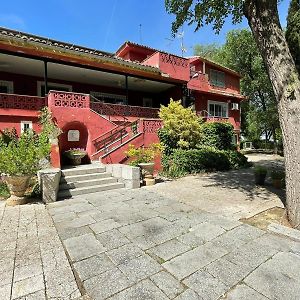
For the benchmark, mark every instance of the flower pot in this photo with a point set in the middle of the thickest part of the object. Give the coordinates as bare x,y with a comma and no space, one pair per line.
17,186
76,159
147,173
260,178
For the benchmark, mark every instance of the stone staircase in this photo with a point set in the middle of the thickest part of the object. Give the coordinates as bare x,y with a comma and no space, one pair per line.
86,179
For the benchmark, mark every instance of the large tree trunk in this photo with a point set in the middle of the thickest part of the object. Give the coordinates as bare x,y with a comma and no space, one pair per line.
264,22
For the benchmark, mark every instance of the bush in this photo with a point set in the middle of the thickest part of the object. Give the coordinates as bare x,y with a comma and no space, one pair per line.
183,162
218,135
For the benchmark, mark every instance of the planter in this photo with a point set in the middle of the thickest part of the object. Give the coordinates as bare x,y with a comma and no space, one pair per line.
17,186
147,173
260,179
76,159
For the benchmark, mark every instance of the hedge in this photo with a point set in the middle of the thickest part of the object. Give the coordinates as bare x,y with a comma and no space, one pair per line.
183,162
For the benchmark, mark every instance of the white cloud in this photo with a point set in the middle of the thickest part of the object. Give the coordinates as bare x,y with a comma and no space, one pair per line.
12,21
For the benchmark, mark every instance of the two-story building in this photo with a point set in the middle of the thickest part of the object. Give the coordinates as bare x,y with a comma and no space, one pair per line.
104,101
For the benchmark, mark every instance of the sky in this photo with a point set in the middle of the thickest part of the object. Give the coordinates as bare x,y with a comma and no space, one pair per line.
106,24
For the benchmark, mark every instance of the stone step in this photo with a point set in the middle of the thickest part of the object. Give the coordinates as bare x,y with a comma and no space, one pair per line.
80,170
88,190
86,183
84,177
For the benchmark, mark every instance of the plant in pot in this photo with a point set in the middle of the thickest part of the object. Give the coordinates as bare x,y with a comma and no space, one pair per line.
277,178
75,155
260,173
19,161
144,158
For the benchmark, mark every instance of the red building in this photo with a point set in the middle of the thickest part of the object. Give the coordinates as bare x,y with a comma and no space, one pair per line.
104,101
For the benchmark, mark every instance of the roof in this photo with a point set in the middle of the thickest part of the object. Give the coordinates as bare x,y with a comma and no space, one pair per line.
44,42
195,57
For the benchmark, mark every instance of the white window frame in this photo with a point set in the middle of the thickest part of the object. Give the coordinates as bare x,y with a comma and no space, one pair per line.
9,85
41,83
23,123
224,104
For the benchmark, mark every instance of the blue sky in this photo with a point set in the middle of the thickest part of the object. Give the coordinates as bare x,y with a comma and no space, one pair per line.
105,25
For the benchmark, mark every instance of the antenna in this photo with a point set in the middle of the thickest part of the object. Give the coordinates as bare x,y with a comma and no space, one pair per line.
180,36
140,31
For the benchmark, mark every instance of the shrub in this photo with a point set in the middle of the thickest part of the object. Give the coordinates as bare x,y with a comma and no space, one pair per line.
142,154
218,135
181,125
8,135
237,159
22,156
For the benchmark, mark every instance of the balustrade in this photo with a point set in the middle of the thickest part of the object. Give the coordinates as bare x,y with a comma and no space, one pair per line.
8,101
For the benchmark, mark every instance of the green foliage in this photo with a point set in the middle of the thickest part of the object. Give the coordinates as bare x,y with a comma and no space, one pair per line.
8,135
181,124
50,129
209,51
143,154
260,170
218,135
292,33
192,161
4,191
22,156
277,174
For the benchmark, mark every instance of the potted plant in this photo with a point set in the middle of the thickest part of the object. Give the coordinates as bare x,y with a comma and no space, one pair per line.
19,161
277,178
260,173
75,155
144,158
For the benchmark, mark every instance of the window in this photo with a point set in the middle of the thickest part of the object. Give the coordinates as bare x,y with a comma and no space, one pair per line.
52,86
217,78
6,87
218,109
109,98
25,126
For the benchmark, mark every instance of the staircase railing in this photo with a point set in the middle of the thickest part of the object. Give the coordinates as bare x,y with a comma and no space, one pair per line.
116,136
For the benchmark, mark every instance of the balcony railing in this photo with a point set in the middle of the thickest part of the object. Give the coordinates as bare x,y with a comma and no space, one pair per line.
13,101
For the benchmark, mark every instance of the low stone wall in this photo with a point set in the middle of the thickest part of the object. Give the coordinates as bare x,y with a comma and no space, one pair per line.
129,175
49,184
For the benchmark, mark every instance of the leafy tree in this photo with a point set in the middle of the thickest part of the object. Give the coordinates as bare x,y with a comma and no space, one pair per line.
263,19
181,124
293,31
208,51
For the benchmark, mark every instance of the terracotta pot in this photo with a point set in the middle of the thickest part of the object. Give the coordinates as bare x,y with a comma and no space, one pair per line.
17,184
277,183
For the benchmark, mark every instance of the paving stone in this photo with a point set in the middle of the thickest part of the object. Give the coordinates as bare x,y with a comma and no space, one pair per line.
226,271
67,216
112,239
5,291
168,284
187,263
92,266
246,232
280,229
141,291
59,288
106,284
189,294
169,249
144,242
124,253
76,223
207,231
206,286
6,273
27,286
83,246
23,272
66,233
250,255
278,278
139,268
191,240
225,223
39,295
243,292
105,225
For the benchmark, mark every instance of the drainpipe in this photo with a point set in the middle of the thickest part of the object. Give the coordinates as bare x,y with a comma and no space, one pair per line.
46,77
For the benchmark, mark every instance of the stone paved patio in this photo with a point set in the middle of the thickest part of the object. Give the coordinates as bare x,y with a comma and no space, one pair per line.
137,244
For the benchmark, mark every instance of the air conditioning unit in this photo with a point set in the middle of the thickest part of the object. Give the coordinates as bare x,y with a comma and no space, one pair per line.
234,106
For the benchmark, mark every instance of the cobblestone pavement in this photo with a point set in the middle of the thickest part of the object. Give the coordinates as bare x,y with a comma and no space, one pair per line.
139,245
33,264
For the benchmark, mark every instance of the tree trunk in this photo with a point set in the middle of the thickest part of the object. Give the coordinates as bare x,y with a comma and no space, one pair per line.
264,22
